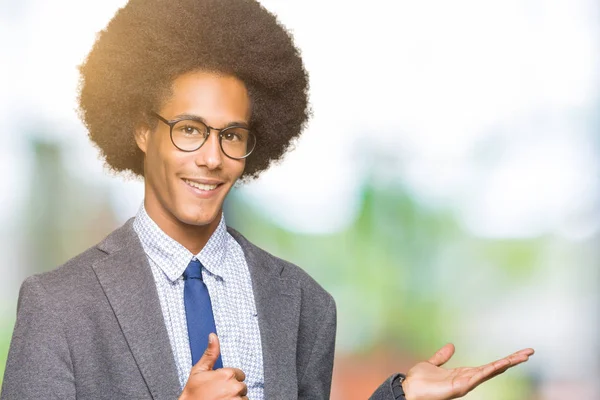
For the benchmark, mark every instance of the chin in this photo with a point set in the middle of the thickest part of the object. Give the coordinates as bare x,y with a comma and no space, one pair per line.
198,219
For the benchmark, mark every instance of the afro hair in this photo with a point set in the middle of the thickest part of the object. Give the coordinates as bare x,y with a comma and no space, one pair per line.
149,43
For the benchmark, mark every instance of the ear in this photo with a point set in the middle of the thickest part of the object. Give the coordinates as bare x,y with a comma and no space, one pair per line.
142,136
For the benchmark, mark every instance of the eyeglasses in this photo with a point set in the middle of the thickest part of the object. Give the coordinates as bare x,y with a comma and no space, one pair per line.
189,134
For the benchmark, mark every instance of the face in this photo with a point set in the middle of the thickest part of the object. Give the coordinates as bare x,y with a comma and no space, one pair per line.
188,188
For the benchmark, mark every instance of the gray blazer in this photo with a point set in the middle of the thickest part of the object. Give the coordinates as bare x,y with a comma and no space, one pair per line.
93,329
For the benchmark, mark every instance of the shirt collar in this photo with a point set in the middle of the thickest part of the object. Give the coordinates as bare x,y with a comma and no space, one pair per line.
172,257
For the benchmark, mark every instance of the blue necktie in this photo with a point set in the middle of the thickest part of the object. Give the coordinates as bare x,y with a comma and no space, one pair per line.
198,311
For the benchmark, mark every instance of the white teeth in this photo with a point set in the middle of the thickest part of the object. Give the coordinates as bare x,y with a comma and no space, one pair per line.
200,185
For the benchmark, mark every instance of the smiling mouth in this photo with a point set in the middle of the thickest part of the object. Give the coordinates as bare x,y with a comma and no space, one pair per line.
201,186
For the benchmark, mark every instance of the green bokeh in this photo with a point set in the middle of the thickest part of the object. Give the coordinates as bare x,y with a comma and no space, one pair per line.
6,327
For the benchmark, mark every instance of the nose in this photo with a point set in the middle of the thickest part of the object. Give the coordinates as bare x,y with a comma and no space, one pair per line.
210,154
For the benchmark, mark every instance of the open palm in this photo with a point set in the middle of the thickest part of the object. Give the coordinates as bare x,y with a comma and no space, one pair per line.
428,381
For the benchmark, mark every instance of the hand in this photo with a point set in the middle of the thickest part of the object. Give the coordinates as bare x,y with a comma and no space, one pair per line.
206,384
427,381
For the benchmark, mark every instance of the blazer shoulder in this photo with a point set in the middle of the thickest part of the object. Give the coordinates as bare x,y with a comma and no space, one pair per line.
308,284
76,275
70,277
283,268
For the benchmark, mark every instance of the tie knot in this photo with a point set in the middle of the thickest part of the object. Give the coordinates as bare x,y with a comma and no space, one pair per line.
193,270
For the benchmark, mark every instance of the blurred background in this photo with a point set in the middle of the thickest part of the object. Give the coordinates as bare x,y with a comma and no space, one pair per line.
447,188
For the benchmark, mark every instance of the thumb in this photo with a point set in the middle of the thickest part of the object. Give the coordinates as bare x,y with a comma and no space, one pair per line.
442,355
208,359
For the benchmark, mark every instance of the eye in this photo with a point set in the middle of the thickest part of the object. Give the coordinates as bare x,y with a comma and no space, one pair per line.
231,136
189,130
235,134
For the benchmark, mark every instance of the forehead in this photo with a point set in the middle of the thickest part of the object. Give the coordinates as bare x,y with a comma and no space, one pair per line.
216,97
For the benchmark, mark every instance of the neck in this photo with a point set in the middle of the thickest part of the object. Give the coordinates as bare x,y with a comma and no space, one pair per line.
192,237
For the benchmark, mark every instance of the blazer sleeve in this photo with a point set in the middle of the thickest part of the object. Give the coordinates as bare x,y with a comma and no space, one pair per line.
39,363
385,391
315,383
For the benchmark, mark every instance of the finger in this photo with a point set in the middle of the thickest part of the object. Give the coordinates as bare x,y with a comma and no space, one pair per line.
231,374
497,372
508,362
240,376
238,389
528,352
497,367
494,374
442,355
243,389
208,359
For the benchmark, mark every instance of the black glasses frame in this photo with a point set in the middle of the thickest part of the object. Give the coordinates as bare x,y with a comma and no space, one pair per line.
220,132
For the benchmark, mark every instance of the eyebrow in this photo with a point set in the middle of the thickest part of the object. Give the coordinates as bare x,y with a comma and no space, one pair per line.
199,118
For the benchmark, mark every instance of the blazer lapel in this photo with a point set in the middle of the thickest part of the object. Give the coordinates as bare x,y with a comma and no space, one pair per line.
278,306
127,281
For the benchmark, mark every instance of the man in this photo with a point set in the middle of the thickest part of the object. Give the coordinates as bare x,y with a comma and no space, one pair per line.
192,96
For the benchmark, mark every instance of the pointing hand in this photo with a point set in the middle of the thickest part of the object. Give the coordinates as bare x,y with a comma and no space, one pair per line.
207,384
